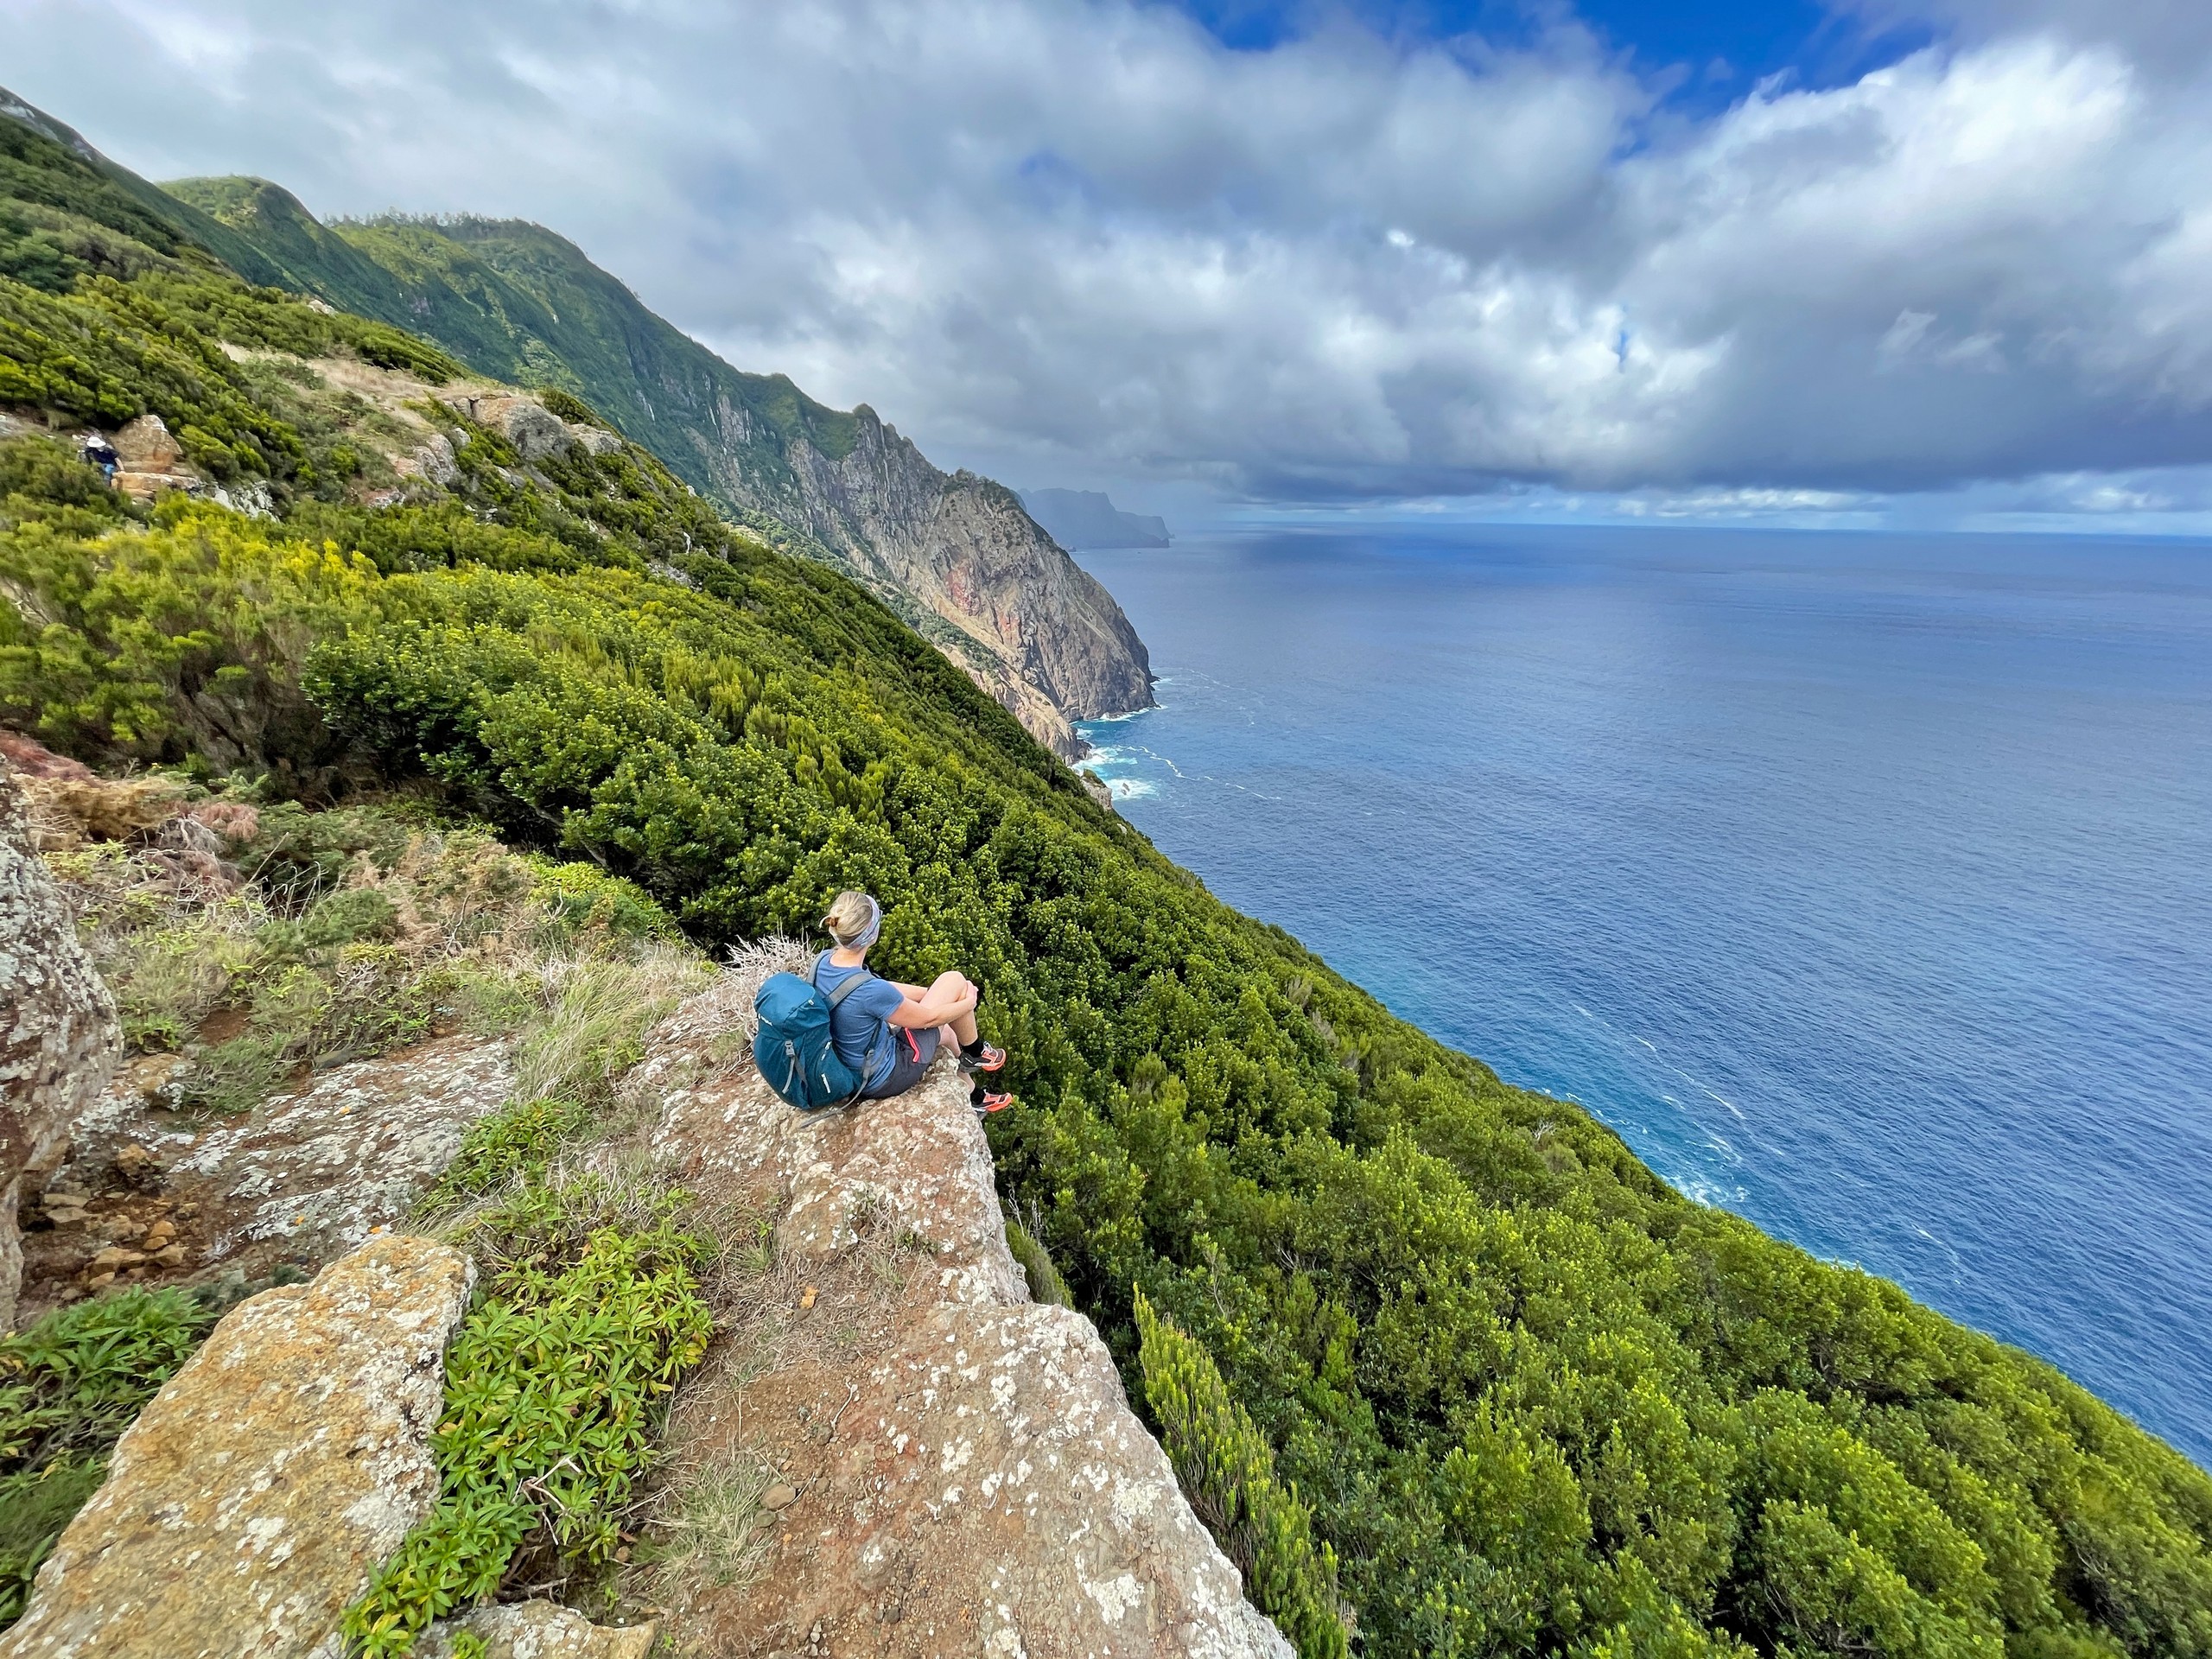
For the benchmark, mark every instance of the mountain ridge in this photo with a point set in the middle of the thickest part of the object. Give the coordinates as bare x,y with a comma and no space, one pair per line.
964,563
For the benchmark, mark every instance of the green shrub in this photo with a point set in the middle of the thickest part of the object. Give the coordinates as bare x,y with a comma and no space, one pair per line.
555,1390
569,406
521,1138
172,978
69,1386
355,1001
1046,1284
40,474
583,898
1230,1473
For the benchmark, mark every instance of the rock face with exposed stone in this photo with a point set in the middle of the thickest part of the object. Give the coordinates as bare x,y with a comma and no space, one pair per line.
955,1468
147,1195
59,1039
150,459
248,1506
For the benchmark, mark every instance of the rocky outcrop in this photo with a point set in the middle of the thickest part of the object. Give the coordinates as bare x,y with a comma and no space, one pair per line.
59,1039
537,433
150,460
945,1465
1032,627
148,1195
250,1503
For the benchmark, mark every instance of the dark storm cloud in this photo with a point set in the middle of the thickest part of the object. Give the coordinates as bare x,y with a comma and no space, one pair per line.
1048,236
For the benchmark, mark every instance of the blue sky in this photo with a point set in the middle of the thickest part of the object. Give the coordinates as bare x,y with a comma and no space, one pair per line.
1924,261
1718,49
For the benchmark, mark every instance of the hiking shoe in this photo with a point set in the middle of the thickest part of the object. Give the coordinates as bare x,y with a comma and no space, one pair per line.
985,1103
990,1060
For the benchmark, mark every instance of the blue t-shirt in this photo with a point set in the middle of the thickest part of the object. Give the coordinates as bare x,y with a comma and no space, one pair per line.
860,1026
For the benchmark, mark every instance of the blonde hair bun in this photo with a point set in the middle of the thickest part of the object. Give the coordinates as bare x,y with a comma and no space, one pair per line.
852,914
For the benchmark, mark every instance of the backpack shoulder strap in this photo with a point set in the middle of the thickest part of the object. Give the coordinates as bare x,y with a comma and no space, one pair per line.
852,981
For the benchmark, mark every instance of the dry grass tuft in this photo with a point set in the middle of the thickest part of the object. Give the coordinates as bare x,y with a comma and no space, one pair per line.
596,1023
711,1527
749,968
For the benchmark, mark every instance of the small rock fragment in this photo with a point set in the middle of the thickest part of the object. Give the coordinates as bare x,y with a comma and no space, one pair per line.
781,1496
536,1629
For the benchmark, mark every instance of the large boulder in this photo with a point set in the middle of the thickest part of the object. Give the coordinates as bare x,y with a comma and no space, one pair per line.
59,1038
536,432
150,459
248,1506
942,1465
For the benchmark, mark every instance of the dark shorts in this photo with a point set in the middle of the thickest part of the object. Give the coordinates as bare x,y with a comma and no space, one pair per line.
915,1049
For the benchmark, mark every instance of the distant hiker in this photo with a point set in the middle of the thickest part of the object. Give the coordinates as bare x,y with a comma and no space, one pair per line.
889,1032
101,454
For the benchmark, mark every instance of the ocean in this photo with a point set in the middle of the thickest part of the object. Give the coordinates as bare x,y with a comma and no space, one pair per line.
1863,883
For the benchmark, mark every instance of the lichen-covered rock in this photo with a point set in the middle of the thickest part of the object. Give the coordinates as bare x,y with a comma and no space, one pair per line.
947,1467
536,432
316,1169
302,1178
925,1164
432,461
537,1629
984,1486
247,1507
59,1039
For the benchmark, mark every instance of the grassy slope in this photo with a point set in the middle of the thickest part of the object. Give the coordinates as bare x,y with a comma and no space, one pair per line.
1536,1400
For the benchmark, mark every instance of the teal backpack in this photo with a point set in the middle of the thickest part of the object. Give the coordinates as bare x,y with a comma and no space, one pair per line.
793,1047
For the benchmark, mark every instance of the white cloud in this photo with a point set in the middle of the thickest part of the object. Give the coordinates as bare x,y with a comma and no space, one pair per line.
1071,239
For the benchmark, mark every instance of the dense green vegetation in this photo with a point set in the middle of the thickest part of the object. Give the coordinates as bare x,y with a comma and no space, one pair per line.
69,1387
1532,1400
589,1314
1223,1462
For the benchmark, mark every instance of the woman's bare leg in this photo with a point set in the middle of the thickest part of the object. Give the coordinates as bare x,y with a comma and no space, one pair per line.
955,998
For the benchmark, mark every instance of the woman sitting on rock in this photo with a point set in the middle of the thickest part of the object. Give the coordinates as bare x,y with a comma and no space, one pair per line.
889,1032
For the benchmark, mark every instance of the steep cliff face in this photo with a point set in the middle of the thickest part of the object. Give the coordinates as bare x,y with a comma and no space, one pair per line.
1034,627
955,554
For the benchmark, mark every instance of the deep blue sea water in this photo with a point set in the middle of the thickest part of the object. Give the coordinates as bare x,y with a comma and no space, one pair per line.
1864,883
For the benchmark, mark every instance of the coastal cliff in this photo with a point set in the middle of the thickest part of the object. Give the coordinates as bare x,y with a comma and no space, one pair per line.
452,729
955,554
1032,627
